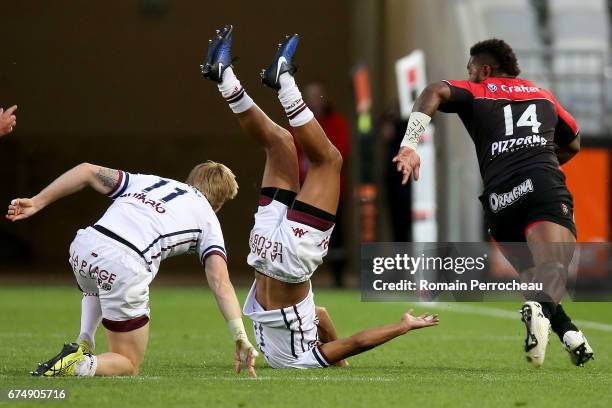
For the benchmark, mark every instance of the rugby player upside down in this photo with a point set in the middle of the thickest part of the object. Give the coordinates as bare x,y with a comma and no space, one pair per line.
292,225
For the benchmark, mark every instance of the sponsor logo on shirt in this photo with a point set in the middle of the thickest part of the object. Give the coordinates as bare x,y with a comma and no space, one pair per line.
519,88
299,232
500,201
511,145
492,87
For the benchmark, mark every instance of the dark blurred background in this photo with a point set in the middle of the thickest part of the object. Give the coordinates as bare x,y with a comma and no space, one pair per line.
117,83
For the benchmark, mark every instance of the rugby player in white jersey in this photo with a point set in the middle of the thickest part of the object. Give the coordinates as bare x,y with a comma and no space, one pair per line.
114,261
292,225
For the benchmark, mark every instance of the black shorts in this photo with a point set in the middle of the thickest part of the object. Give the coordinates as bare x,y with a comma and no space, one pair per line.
525,199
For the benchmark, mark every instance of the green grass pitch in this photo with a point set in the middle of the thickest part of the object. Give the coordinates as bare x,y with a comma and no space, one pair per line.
471,359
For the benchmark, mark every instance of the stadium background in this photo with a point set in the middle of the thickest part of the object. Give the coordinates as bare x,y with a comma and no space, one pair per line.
118,84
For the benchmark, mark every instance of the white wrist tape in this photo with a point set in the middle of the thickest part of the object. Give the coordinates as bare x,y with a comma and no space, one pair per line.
417,123
237,329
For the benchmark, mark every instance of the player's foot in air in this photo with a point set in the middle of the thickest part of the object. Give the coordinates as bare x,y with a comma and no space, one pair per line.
537,326
578,347
219,56
63,364
282,62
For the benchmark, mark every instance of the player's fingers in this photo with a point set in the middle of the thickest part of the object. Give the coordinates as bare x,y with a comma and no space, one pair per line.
406,177
251,368
10,110
237,367
417,170
252,354
252,372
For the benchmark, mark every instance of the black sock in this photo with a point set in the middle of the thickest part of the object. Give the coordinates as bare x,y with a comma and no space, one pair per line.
548,307
561,322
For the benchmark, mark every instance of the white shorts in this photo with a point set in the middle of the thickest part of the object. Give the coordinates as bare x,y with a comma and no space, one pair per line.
287,337
286,244
106,268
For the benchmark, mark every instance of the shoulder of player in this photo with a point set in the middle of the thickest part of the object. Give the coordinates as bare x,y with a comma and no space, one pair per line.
504,88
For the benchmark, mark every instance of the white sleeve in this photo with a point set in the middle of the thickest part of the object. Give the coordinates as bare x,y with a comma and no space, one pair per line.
122,184
211,242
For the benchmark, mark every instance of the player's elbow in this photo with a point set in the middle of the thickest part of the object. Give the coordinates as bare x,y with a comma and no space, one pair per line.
321,311
360,343
435,90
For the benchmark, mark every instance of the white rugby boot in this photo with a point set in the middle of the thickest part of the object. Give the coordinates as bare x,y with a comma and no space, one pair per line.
538,327
578,347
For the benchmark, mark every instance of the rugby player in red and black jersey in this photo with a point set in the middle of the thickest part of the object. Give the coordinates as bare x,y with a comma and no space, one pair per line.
522,135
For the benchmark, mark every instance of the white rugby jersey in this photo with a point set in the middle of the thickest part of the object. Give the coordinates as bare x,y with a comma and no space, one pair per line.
160,218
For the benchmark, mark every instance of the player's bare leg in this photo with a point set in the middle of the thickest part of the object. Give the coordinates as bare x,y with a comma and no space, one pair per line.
321,189
281,169
126,352
552,248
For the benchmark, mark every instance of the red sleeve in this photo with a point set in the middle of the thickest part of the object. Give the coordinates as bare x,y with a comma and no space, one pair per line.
461,97
473,88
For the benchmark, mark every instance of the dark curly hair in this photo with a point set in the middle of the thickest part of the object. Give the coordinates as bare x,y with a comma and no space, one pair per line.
499,51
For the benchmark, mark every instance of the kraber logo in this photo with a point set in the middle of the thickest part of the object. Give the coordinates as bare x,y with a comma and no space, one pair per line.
500,201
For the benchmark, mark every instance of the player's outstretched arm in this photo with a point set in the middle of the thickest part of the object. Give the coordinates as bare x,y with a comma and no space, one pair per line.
407,160
219,282
370,338
99,178
8,120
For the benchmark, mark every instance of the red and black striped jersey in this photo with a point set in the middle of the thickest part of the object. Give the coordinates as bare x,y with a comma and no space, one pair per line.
514,125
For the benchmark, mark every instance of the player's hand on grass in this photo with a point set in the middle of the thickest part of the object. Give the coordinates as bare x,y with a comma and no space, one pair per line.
7,120
21,208
408,162
425,320
245,354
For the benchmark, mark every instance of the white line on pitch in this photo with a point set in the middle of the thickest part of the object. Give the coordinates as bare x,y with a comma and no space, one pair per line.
505,314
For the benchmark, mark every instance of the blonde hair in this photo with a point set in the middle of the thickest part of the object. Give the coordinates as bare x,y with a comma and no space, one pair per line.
216,181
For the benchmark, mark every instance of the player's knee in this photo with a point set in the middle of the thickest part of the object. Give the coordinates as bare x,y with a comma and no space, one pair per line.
283,142
330,157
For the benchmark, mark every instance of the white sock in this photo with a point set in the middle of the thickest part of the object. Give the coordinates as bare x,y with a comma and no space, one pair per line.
291,98
91,316
87,367
230,88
